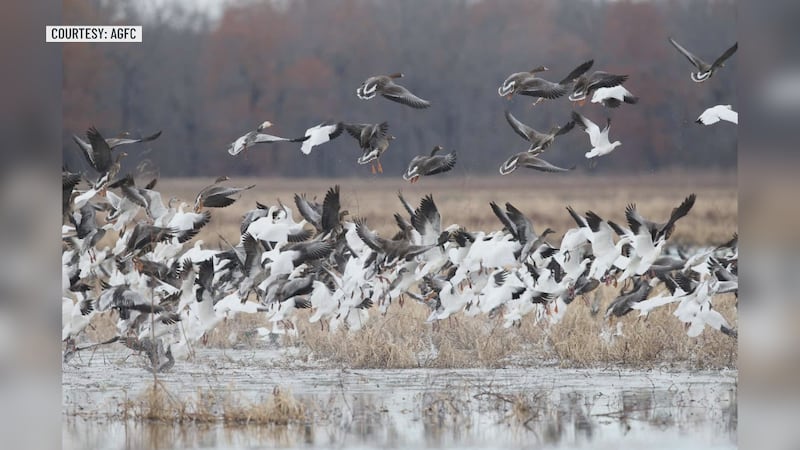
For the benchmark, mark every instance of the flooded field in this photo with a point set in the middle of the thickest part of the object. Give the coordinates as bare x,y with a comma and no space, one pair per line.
546,407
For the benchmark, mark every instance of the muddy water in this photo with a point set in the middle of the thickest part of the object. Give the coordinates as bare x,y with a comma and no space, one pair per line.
413,408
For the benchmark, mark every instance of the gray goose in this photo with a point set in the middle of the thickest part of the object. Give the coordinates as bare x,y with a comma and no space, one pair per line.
216,196
527,83
586,85
531,161
373,140
423,165
394,250
704,69
539,141
383,84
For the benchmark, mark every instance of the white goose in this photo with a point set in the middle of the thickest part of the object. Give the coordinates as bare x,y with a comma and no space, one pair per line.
716,113
601,145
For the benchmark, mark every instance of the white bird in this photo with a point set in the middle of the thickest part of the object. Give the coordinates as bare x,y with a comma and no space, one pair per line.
257,137
598,138
320,134
716,113
613,97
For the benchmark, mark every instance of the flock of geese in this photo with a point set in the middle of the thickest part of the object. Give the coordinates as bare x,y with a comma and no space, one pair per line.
127,250
602,87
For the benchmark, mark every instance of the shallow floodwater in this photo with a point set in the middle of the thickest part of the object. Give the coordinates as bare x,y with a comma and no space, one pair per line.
407,409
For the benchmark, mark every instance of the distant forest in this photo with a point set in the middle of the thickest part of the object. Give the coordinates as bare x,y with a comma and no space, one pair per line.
297,63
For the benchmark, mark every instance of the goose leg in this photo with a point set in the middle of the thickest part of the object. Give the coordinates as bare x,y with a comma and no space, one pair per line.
380,167
372,166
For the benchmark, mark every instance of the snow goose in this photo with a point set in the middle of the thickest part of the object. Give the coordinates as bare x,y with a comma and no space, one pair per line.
527,83
539,141
601,145
531,161
704,70
384,85
423,165
320,134
613,97
257,137
716,113
373,140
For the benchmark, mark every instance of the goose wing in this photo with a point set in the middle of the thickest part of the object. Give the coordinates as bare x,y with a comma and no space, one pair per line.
697,62
399,94
526,132
728,53
114,142
578,71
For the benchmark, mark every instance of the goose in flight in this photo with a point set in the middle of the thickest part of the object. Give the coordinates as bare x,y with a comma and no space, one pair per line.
586,85
613,97
716,113
383,84
97,150
531,161
598,138
373,139
216,196
257,137
704,69
539,141
430,165
320,134
527,83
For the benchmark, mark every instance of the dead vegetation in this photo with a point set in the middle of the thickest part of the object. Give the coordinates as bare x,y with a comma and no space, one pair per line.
402,339
157,404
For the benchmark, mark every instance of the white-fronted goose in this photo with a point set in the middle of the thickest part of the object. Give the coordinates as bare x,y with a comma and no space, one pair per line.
257,137
423,165
539,141
597,138
527,83
531,161
383,84
216,196
373,139
716,113
704,70
586,85
98,150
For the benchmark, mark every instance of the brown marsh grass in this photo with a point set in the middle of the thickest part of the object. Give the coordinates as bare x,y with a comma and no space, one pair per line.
402,339
157,404
466,200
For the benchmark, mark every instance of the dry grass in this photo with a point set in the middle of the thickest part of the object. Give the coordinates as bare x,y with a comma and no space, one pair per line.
466,200
402,339
157,404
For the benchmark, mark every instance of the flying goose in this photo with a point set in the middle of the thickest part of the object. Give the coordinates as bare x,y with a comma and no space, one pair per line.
320,134
521,228
716,113
597,138
586,85
257,137
216,196
539,141
704,70
423,165
527,83
98,150
531,161
373,140
394,249
613,97
384,85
